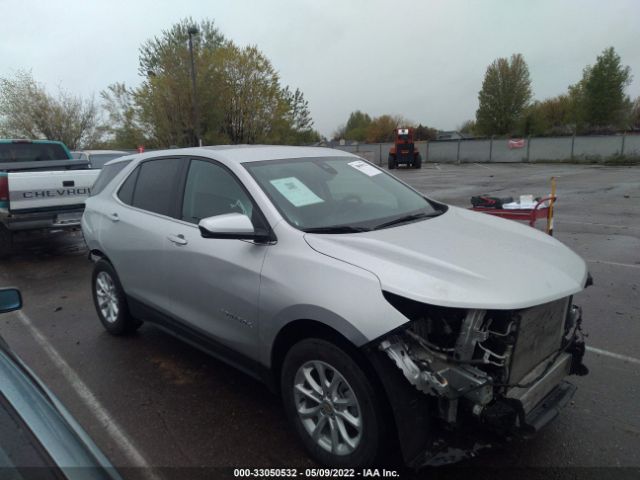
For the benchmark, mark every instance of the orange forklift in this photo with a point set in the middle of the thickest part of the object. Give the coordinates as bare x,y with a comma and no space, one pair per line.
404,151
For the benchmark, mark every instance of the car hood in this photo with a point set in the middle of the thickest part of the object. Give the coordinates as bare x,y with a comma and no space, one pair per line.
462,259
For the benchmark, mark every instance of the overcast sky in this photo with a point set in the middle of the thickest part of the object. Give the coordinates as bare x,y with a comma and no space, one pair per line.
424,60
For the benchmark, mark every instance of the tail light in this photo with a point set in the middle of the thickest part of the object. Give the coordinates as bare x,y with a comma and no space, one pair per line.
4,188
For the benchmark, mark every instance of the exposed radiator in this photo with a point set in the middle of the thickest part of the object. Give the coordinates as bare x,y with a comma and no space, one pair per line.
539,334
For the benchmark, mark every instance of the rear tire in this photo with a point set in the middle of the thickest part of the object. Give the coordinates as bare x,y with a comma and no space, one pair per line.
417,162
326,392
391,162
110,300
6,242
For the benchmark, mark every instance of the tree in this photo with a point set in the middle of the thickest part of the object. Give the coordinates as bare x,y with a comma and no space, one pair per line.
422,132
27,110
634,115
356,127
603,103
240,98
340,133
298,123
293,125
361,127
165,96
558,115
124,128
553,116
298,115
251,95
505,93
381,129
468,126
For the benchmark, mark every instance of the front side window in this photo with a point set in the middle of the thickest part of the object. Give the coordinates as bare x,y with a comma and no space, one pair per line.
211,190
343,194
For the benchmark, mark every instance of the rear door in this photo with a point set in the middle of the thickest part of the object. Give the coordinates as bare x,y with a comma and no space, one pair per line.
213,284
135,226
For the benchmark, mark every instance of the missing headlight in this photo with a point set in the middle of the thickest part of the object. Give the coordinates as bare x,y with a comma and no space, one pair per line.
438,326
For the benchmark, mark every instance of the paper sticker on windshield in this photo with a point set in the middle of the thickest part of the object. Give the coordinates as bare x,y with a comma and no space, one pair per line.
365,168
296,192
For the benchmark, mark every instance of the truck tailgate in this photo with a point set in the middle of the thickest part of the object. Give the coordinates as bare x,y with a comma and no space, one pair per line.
49,190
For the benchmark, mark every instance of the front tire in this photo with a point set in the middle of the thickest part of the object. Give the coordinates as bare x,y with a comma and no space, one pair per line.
110,300
332,405
391,162
417,162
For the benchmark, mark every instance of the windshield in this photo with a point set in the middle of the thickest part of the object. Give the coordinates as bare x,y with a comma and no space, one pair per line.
343,194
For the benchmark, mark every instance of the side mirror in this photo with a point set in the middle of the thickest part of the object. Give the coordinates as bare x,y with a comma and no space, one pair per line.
230,226
10,300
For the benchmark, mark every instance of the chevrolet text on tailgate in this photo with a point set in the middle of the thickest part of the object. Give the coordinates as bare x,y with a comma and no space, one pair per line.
41,187
367,305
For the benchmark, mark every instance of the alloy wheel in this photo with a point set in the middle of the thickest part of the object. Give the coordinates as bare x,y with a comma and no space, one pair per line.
107,297
327,407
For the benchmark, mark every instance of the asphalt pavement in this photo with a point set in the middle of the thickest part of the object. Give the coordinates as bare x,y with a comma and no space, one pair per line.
151,401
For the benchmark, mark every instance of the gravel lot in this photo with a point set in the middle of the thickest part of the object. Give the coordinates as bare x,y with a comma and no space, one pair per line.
176,407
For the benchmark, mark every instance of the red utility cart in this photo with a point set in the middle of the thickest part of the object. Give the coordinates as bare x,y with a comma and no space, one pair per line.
542,209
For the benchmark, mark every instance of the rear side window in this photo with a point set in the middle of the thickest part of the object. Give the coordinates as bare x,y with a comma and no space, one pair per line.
156,186
106,175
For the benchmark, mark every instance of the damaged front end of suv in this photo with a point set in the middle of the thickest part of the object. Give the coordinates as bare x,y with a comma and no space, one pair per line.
460,380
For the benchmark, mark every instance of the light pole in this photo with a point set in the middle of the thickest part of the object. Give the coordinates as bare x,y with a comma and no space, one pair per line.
194,102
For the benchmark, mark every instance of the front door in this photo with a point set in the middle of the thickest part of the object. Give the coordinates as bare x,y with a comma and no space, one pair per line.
213,284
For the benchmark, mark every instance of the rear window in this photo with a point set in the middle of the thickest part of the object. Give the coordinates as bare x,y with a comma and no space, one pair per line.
107,174
98,160
31,152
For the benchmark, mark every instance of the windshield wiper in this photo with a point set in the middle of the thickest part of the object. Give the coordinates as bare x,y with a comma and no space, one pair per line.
336,229
406,219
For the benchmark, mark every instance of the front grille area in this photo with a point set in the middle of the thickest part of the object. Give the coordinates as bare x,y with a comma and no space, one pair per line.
539,334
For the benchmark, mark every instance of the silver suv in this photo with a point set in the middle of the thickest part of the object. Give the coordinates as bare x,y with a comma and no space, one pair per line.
377,313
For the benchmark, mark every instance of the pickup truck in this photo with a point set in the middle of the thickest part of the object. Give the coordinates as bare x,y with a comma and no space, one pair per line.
41,188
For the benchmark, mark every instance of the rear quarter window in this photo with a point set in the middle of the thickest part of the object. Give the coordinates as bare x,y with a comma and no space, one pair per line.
125,193
107,174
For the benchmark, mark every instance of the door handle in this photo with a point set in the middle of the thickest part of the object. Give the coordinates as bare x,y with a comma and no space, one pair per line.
113,217
177,239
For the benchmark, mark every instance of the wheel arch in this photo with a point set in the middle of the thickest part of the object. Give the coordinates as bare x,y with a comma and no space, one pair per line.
298,330
301,329
96,252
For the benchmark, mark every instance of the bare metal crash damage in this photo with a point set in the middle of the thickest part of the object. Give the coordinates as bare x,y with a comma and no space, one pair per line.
488,375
